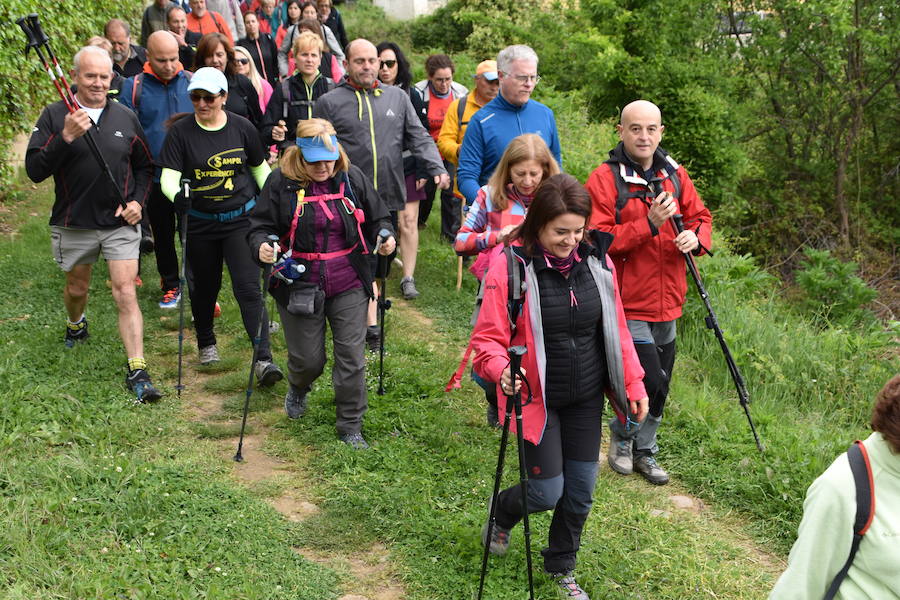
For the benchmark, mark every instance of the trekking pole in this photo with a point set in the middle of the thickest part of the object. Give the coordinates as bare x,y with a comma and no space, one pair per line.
266,275
182,278
713,323
37,39
513,403
382,269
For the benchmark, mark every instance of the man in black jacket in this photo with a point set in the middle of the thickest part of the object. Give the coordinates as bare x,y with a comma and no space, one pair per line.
88,216
128,58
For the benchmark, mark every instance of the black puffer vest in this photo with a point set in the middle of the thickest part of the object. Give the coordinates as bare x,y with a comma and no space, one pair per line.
570,319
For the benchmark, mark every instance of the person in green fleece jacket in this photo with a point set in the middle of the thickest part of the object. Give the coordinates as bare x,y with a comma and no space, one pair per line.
826,530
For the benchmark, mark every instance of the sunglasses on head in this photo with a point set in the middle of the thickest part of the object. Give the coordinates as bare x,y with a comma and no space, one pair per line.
390,64
242,61
208,98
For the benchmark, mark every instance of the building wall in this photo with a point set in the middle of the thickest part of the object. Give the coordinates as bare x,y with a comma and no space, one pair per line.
409,9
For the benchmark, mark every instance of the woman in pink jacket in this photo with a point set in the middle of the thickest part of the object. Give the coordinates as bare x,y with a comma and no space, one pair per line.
578,350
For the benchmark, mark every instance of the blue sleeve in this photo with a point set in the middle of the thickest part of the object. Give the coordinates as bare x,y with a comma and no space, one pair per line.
470,160
554,140
125,93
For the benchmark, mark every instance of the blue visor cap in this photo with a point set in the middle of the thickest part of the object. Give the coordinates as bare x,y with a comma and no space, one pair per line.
315,150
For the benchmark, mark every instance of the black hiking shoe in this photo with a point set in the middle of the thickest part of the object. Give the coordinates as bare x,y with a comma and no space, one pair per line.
651,471
294,403
76,333
267,373
354,440
138,381
499,543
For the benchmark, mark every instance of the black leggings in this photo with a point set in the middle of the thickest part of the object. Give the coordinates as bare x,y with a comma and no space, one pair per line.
206,255
163,221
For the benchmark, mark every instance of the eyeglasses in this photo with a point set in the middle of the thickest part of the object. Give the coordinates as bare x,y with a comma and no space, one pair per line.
523,79
208,98
390,64
242,61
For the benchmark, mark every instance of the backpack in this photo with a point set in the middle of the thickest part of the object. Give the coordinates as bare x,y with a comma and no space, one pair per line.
461,109
623,187
286,102
865,508
137,88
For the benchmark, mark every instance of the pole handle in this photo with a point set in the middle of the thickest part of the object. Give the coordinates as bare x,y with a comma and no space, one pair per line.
35,23
29,33
679,222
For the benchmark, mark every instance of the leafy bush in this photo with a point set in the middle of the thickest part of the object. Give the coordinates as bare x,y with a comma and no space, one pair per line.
833,291
24,87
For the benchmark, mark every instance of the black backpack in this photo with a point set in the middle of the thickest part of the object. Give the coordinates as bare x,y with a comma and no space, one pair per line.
865,508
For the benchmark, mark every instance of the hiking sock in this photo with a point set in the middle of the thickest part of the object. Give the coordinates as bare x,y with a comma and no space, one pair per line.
137,362
77,325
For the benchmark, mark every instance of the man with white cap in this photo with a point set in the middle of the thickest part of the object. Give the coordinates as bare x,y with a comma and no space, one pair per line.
460,111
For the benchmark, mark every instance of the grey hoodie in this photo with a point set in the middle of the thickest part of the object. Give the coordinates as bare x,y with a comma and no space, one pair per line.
374,126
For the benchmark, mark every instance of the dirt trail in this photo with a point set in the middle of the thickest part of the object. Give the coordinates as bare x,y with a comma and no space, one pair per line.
368,572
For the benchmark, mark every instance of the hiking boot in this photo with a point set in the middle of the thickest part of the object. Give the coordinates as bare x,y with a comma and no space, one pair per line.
408,288
147,244
354,440
567,587
138,381
76,333
209,355
493,418
294,403
651,471
620,458
499,535
267,373
170,299
373,338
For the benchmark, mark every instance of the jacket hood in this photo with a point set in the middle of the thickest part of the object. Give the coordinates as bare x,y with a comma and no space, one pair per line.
149,71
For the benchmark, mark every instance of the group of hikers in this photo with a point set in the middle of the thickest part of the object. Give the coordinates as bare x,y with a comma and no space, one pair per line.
192,123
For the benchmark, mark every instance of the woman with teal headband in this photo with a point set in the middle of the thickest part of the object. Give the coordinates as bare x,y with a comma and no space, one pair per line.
327,217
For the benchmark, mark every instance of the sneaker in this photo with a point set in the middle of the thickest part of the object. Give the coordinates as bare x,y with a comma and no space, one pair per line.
217,311
620,458
170,299
652,472
408,288
274,327
354,440
499,535
493,418
373,338
567,586
267,373
76,335
138,381
209,355
294,403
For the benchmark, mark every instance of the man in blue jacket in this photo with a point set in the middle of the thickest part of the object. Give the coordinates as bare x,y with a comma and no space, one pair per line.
156,94
509,115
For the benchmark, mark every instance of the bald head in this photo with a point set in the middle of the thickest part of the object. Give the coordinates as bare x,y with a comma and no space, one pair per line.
361,63
640,130
162,54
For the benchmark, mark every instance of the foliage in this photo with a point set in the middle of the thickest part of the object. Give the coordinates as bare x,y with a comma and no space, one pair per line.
24,87
833,291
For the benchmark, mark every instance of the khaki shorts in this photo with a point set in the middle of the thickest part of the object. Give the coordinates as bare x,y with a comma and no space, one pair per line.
73,247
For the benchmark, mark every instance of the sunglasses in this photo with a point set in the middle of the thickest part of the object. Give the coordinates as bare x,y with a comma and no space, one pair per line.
242,61
390,64
208,98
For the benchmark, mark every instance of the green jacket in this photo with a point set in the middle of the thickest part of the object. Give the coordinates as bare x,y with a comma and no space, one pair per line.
825,534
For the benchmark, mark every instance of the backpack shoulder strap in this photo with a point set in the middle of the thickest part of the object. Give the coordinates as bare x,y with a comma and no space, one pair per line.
461,109
285,97
623,189
865,508
136,91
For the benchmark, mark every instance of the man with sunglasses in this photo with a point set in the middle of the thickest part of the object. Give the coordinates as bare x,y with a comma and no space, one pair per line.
510,114
155,95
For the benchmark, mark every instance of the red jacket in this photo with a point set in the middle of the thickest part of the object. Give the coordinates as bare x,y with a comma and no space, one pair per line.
651,270
491,338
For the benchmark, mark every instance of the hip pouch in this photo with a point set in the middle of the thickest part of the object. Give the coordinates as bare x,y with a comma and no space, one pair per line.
306,299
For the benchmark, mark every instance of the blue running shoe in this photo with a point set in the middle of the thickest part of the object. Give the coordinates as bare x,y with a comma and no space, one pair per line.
138,381
170,299
76,333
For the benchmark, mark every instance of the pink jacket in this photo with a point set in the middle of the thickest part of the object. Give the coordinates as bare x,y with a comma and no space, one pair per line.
491,338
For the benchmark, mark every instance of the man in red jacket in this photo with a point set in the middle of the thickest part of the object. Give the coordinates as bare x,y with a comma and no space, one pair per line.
635,194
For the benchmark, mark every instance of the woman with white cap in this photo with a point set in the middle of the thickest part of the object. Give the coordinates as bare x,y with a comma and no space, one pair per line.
328,217
222,156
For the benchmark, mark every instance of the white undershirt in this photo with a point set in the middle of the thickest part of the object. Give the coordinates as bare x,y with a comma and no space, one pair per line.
93,113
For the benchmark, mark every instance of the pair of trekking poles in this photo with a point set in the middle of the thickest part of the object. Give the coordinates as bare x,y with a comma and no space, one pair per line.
40,42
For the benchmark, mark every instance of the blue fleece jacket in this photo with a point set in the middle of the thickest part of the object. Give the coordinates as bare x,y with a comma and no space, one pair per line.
489,132
157,103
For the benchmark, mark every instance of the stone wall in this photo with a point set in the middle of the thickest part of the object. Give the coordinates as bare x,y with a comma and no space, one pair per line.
409,9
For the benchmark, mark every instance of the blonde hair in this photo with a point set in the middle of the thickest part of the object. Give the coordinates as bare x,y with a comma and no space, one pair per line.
307,40
528,146
253,76
293,165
